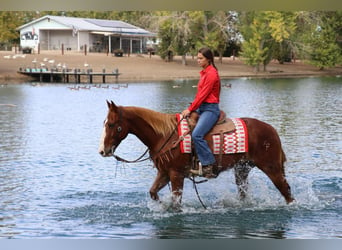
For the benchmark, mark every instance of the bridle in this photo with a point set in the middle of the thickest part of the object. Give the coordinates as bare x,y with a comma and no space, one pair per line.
118,126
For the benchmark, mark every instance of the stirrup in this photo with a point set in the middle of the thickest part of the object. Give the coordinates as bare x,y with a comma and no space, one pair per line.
207,173
198,172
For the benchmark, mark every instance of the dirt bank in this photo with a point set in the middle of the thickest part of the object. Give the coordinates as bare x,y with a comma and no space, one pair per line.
136,68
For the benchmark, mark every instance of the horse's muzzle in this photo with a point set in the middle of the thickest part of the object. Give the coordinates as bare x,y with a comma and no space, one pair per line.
107,152
103,153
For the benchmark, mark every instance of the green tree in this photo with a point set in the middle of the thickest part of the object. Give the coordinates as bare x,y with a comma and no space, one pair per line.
325,51
177,35
9,21
256,34
184,38
166,34
264,33
216,33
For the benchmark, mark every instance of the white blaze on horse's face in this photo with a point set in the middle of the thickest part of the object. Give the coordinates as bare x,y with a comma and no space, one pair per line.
103,136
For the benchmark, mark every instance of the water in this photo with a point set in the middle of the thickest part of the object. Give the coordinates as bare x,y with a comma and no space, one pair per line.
54,184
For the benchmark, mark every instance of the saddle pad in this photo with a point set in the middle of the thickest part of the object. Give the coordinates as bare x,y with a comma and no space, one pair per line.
233,142
183,127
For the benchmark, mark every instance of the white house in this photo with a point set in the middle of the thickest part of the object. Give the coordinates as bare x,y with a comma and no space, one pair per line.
53,32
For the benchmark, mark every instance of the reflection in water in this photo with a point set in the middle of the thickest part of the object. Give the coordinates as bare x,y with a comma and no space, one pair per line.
54,183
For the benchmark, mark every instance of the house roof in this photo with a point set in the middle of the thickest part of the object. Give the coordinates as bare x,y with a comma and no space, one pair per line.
105,27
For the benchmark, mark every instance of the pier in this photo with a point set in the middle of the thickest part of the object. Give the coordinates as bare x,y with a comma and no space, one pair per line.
68,75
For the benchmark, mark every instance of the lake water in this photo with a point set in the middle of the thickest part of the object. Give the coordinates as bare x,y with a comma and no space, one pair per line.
54,184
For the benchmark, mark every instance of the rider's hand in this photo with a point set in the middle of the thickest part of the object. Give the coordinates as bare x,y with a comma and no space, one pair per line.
186,113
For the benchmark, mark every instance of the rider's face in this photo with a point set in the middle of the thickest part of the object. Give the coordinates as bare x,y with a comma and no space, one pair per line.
202,61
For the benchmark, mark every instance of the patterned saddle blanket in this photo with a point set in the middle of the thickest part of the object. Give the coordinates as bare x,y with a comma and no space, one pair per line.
231,135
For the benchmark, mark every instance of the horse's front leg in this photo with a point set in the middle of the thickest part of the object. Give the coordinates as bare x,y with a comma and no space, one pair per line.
161,180
177,184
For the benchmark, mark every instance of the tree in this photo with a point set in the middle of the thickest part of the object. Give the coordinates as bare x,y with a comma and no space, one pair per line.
166,34
256,34
324,50
216,33
177,33
264,33
9,21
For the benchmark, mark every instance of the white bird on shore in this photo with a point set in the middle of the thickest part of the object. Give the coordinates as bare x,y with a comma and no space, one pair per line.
19,56
86,64
45,59
52,61
7,57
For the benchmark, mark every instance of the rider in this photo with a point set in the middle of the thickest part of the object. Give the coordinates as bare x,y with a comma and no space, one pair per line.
206,103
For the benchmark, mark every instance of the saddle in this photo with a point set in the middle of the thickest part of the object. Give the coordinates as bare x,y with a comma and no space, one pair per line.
222,126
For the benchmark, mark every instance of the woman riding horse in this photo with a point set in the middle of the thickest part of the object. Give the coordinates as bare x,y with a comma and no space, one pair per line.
206,103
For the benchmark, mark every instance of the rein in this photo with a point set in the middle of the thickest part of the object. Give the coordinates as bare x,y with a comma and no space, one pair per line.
139,159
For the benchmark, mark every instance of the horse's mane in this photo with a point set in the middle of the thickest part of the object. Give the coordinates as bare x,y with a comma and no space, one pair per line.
163,124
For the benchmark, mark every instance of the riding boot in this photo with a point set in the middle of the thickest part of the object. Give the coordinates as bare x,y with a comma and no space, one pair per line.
205,171
208,171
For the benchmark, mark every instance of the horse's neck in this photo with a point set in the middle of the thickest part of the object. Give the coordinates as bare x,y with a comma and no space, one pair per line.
142,127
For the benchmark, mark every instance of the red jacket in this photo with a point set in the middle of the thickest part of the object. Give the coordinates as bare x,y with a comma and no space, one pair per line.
208,88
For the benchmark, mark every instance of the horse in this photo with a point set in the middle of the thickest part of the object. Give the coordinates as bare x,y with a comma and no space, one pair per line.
158,131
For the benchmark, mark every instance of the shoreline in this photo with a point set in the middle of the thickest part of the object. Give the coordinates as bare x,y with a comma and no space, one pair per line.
143,68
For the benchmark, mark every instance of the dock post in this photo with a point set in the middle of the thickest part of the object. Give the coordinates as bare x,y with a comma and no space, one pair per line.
117,73
63,75
41,75
104,75
75,74
51,75
79,76
90,76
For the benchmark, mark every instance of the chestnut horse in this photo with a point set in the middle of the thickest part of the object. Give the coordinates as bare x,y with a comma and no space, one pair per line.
158,132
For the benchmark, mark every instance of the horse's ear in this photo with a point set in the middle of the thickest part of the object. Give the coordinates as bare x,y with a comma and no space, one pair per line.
111,105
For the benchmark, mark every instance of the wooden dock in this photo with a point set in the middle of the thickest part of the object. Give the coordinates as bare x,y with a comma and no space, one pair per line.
67,75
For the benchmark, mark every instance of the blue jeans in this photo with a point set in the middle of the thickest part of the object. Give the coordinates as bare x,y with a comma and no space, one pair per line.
209,114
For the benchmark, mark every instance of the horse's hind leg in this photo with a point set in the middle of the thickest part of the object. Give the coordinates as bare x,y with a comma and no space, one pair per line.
280,182
241,174
277,176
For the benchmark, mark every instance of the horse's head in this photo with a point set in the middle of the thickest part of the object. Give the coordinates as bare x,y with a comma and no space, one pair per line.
114,130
